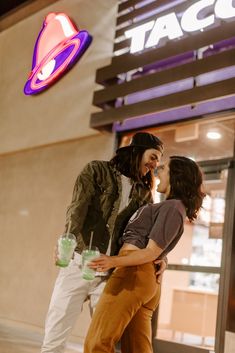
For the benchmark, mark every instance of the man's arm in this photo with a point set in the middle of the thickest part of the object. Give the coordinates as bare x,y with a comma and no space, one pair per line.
138,257
84,190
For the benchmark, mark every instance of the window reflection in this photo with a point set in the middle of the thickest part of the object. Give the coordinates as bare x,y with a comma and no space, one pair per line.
187,295
188,314
188,306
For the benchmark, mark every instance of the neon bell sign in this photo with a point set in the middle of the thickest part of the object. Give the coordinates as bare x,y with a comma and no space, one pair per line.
58,47
170,27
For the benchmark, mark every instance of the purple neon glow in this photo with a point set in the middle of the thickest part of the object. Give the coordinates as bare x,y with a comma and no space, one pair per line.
179,86
148,14
175,114
160,91
215,76
201,80
60,58
159,9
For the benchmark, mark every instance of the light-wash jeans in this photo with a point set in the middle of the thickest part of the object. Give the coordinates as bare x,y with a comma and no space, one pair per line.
69,294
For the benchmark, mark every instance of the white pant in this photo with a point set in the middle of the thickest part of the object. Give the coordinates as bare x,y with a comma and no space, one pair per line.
70,292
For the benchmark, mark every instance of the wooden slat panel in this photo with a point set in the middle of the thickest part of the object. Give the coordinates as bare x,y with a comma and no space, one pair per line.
188,97
125,5
127,62
192,69
121,45
177,8
141,11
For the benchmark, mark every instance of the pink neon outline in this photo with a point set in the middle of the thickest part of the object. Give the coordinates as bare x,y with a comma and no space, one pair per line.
76,43
74,29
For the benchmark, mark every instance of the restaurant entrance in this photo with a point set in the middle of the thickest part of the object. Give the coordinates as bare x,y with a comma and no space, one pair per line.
193,307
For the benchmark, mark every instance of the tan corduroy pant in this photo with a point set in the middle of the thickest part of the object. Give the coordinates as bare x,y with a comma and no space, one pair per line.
124,311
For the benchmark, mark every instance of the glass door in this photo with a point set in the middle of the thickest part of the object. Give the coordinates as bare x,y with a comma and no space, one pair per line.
191,316
187,315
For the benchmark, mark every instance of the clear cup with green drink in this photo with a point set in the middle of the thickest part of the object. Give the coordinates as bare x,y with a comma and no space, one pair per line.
66,246
88,255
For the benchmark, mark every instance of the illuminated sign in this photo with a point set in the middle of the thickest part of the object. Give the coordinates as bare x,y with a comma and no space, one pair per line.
170,27
58,47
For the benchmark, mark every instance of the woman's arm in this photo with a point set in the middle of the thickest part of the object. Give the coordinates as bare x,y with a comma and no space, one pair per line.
138,257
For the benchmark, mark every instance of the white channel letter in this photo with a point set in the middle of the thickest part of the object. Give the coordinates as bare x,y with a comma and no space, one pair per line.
224,9
165,26
138,36
190,21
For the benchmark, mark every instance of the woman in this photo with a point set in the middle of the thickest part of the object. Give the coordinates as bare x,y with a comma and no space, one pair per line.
132,292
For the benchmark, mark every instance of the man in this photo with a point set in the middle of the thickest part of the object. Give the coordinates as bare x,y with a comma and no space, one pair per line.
105,196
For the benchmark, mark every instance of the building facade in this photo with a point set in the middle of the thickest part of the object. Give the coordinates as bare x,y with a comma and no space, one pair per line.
172,73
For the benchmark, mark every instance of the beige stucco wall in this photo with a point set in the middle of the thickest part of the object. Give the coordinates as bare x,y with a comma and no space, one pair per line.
45,141
36,187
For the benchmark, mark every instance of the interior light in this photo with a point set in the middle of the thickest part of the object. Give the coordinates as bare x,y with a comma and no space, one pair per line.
213,135
185,261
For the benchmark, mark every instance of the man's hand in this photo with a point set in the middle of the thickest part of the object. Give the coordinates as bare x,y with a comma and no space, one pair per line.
102,263
161,266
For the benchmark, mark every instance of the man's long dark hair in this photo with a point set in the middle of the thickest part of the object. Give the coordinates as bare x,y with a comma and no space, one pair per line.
186,184
127,162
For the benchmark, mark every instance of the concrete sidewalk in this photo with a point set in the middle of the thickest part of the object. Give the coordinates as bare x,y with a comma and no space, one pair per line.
21,340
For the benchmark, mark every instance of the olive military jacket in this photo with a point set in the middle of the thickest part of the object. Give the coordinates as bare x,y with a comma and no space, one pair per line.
95,206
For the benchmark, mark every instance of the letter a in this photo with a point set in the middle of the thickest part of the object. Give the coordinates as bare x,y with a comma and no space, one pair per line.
165,26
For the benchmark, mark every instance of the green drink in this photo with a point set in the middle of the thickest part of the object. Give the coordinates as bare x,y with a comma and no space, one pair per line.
87,256
66,245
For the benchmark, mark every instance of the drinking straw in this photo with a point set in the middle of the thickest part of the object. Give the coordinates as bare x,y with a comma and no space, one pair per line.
68,230
91,239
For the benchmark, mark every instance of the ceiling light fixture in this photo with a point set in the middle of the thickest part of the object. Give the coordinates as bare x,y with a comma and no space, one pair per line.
213,135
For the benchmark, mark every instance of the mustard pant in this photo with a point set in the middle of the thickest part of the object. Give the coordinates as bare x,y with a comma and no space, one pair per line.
124,311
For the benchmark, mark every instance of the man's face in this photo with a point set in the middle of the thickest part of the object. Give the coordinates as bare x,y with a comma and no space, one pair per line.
150,160
164,178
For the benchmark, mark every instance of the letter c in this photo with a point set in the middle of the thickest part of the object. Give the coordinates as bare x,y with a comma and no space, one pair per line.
190,21
224,9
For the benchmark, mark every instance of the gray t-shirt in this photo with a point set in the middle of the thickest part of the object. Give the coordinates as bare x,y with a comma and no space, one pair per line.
162,222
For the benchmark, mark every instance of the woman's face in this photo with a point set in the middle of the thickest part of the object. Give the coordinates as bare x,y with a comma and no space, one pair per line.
150,160
164,178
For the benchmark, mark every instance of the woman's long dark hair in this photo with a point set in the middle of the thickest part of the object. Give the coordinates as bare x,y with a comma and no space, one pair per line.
186,184
127,161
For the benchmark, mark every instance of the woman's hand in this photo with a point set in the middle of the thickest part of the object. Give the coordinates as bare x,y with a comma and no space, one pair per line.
102,263
161,266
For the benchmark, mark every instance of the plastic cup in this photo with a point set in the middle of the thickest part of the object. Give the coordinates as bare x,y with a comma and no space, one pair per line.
66,246
87,256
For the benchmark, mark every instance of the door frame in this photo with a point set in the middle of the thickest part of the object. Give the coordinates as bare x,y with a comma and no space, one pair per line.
210,169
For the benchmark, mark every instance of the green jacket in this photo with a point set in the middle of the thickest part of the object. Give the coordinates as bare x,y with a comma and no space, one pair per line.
95,204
